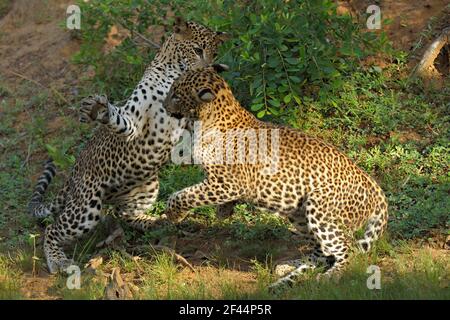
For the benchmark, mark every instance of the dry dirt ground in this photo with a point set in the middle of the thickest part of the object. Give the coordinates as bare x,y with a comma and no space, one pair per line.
34,46
409,19
35,49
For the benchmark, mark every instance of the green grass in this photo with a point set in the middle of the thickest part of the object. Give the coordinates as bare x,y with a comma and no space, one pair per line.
397,132
5,6
10,280
424,278
404,275
393,128
410,275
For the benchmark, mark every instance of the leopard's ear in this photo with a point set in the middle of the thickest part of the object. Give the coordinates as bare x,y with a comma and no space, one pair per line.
206,95
221,37
181,29
220,67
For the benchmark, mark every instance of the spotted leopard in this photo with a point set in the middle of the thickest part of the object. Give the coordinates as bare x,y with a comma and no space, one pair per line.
318,188
119,165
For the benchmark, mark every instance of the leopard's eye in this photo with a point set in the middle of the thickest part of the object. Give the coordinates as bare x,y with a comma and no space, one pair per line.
198,51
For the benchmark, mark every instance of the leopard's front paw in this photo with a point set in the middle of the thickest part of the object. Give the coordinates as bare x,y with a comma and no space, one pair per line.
94,108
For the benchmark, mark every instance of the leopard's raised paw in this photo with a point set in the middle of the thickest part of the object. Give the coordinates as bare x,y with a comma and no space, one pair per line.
94,108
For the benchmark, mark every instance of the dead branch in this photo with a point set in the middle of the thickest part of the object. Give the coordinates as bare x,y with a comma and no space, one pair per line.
178,258
146,40
116,233
27,158
425,68
53,90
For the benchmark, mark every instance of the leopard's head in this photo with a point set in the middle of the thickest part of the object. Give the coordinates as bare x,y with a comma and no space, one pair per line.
193,90
191,45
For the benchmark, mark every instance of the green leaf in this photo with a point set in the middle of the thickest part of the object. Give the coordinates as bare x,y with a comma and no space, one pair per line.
287,98
261,114
274,111
346,50
377,69
256,107
275,103
292,60
297,99
273,62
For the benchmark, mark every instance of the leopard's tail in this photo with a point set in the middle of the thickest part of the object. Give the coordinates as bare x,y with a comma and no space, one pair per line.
36,206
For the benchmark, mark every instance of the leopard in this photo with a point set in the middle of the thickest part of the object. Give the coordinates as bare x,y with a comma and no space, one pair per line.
320,190
118,166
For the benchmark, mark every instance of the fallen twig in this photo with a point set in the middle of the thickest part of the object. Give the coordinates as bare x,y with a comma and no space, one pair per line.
425,68
117,288
115,234
25,162
178,258
53,90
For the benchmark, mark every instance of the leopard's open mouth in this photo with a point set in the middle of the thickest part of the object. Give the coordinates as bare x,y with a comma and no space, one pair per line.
177,115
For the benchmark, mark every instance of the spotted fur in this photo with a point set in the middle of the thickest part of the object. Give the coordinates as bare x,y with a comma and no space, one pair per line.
319,189
119,165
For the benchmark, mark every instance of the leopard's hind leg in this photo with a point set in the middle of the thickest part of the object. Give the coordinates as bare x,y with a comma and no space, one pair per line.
332,247
290,270
80,215
307,239
134,204
376,224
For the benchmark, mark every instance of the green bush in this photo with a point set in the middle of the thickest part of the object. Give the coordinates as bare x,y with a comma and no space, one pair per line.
278,48
299,62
